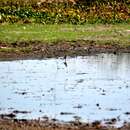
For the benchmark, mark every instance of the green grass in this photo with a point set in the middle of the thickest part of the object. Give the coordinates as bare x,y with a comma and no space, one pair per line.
101,34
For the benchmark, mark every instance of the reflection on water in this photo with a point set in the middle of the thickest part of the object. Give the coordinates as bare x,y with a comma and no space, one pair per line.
91,87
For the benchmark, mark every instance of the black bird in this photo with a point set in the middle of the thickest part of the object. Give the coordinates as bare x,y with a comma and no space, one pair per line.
65,62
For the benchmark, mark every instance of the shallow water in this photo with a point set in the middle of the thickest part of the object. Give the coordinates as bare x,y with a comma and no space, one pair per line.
91,87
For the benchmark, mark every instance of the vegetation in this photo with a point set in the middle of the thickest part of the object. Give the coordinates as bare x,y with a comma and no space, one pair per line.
101,34
50,22
23,40
80,12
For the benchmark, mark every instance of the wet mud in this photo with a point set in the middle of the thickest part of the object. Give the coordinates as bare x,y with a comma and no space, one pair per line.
39,50
15,124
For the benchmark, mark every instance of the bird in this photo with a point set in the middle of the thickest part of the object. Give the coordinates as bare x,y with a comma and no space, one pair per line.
65,62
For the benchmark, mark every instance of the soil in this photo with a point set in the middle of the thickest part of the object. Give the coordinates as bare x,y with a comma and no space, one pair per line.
39,50
15,124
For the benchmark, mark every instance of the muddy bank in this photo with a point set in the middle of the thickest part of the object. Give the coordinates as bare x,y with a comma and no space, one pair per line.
37,49
14,124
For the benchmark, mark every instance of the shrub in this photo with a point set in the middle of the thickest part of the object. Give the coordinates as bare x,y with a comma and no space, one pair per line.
93,11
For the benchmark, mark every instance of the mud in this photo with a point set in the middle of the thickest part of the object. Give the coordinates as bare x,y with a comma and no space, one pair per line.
39,50
15,124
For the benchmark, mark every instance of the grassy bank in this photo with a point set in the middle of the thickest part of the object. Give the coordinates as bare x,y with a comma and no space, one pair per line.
38,40
101,34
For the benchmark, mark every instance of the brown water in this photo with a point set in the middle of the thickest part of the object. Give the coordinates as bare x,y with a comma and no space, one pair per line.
90,87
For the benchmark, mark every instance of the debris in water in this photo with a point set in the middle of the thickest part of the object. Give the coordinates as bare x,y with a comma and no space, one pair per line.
21,93
11,115
66,113
80,80
127,113
22,112
77,118
78,106
97,104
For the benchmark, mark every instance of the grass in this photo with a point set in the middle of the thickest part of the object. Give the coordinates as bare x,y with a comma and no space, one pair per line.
101,34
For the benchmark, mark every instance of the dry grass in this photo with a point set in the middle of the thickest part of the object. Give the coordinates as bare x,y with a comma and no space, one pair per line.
45,125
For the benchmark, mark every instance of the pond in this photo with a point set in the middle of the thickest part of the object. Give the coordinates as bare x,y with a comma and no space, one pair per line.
90,88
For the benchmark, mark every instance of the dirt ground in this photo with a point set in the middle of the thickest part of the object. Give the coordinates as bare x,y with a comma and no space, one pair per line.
9,124
38,50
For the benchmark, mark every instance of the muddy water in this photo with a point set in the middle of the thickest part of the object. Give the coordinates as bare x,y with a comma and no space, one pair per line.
91,88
